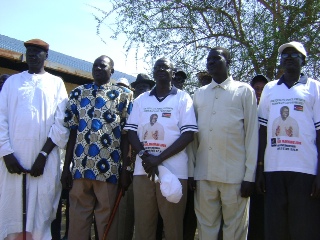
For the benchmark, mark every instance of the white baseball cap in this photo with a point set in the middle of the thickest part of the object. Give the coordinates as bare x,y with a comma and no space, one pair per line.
123,81
295,45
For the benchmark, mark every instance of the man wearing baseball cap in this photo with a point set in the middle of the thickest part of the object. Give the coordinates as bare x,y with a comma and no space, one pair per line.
288,171
123,82
32,105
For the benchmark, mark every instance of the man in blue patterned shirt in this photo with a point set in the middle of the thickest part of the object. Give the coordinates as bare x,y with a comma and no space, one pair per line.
95,115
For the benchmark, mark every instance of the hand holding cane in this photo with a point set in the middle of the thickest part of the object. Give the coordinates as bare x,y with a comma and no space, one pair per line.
24,204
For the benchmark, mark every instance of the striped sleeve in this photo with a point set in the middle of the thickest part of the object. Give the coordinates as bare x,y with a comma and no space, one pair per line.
316,106
263,108
133,127
133,120
187,128
263,121
187,118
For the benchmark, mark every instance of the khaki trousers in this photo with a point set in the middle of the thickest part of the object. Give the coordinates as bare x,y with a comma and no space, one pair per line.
88,197
214,200
148,200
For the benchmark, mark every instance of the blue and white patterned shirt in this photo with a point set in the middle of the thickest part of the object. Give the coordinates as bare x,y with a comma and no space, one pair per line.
98,114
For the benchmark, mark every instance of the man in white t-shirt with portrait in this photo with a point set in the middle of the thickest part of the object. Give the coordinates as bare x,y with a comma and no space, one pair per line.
174,111
288,153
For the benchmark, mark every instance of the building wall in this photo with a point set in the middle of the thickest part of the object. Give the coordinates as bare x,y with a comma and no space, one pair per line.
70,86
7,71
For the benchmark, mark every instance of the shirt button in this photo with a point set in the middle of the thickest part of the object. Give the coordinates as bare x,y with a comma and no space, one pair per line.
210,129
210,148
216,97
213,112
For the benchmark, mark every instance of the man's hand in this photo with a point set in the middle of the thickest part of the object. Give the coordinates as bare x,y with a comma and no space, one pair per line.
150,161
66,179
125,179
260,181
38,166
316,187
246,189
191,184
153,172
13,164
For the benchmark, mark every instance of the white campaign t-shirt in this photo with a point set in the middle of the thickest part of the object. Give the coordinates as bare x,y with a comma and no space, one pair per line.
292,116
159,123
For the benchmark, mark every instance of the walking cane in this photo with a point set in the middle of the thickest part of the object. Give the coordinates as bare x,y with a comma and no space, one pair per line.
24,204
113,213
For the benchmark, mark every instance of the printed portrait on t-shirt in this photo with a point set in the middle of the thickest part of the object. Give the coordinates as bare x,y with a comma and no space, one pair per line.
284,125
153,130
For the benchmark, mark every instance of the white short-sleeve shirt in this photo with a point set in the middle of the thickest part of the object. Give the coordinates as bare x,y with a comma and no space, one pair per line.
292,116
159,123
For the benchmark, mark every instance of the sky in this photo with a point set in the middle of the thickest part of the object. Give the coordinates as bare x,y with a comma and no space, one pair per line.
70,28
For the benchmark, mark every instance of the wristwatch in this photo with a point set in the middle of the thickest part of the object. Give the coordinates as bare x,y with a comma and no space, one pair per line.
140,154
44,154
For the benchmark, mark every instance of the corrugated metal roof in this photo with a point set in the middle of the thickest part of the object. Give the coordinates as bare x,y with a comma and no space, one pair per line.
60,58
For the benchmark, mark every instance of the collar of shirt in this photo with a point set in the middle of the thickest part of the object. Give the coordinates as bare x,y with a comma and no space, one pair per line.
224,84
173,91
303,79
103,86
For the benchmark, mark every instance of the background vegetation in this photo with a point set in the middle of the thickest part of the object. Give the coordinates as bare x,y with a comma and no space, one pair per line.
185,30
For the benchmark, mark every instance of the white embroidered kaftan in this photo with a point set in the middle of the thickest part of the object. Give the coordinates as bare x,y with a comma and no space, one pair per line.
32,109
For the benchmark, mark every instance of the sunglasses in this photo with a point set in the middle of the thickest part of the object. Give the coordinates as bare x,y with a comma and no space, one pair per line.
293,55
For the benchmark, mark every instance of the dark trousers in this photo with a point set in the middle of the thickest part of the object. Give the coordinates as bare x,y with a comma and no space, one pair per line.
56,224
290,212
190,218
159,227
256,217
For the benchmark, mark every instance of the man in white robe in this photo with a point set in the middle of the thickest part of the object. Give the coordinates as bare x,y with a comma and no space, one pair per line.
32,106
